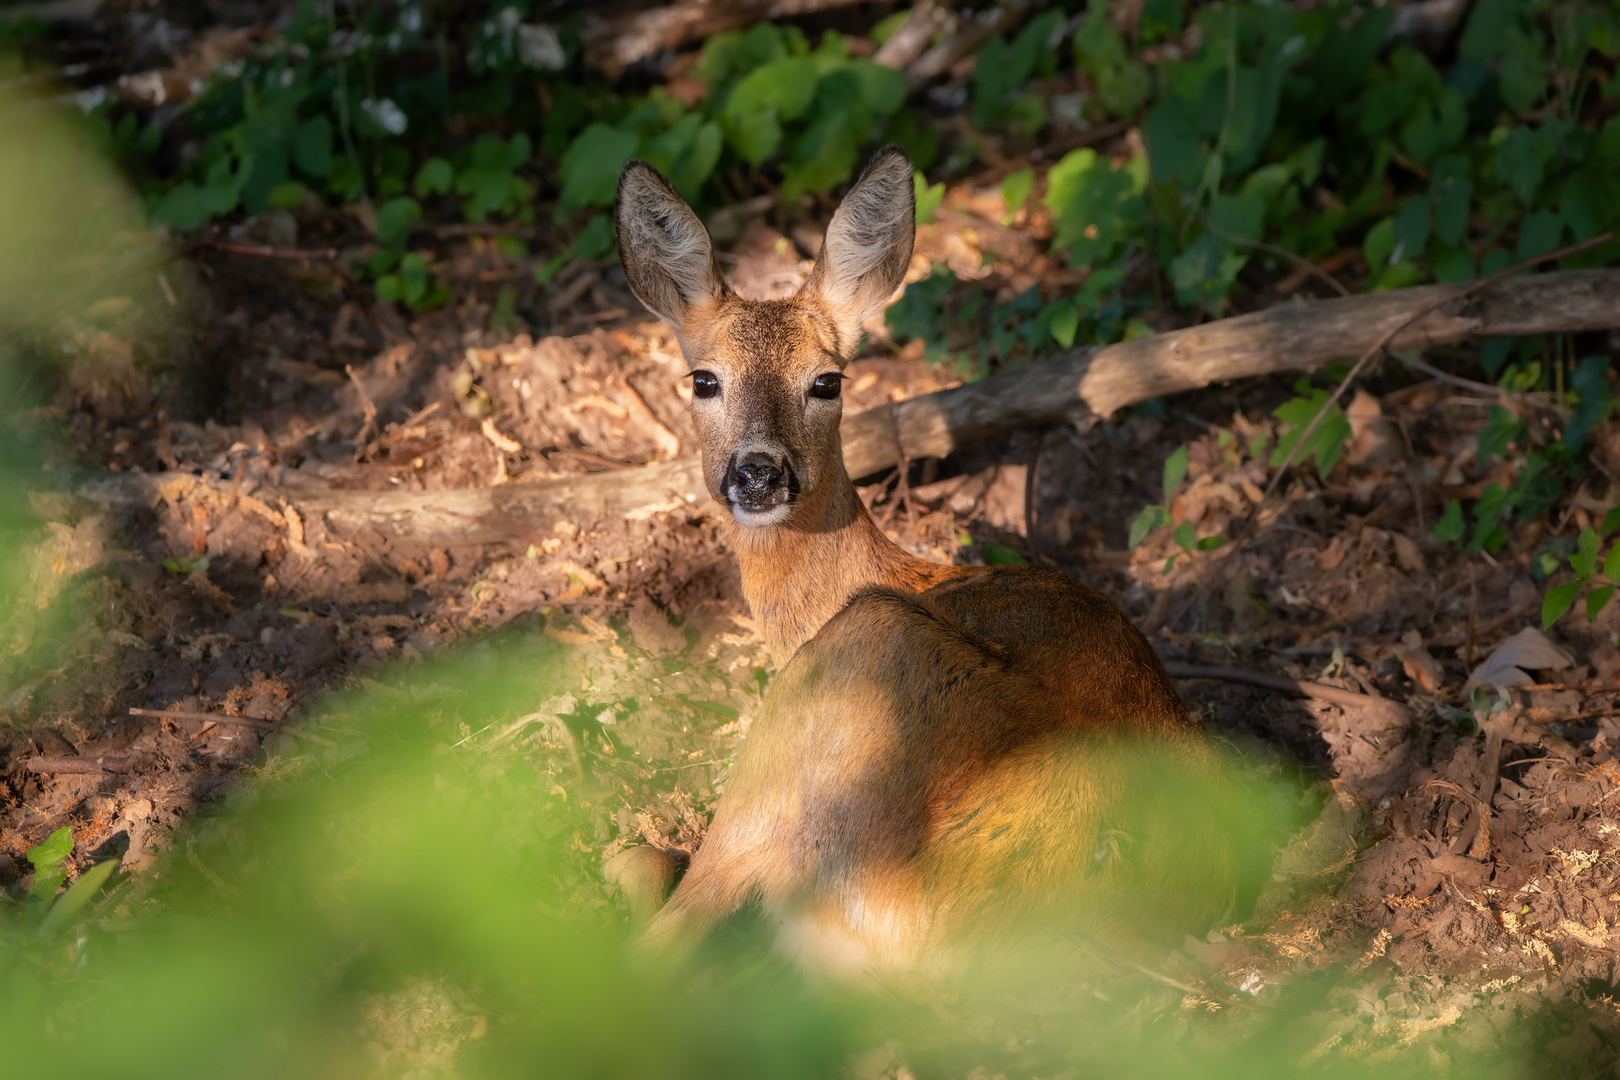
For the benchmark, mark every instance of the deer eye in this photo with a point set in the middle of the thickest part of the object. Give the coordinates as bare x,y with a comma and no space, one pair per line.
829,385
705,384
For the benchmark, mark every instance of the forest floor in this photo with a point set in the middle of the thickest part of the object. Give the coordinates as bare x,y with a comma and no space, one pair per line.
1450,896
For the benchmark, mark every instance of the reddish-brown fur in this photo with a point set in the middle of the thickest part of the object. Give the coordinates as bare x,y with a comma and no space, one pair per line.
951,755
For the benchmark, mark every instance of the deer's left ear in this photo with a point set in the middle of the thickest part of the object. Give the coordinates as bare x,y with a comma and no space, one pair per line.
867,247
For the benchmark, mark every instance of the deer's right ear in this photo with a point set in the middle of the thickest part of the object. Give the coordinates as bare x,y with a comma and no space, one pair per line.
663,247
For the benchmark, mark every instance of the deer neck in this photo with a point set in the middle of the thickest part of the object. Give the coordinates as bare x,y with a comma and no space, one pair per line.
800,573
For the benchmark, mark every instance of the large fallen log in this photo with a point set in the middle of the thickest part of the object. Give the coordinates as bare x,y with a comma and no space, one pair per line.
1080,388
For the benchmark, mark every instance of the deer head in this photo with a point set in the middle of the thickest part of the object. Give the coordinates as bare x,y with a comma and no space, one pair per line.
767,375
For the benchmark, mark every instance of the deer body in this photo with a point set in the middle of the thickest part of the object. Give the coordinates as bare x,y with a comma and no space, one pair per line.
950,754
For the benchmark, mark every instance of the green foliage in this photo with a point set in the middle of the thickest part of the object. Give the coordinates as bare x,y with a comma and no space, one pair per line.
1325,443
1003,67
928,197
1157,516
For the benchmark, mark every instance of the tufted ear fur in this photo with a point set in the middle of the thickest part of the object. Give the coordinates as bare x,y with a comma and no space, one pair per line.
868,245
663,247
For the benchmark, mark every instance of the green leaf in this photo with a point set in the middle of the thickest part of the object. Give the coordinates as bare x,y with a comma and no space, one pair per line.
1411,232
928,198
1593,401
287,196
1379,243
1518,163
1151,517
394,219
1015,188
596,239
1597,600
1175,470
1492,506
435,177
1326,443
1558,601
590,167
312,147
1451,525
1501,428
1064,322
1210,543
1173,142
47,857
79,894
1611,522
1184,535
1611,565
1583,560
1539,234
1001,555
1243,216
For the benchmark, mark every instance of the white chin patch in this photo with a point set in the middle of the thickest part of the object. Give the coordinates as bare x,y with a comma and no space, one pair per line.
756,518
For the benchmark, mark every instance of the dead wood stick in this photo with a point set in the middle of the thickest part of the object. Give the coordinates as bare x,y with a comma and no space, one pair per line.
1455,296
219,718
1082,388
614,45
1333,694
84,766
1091,384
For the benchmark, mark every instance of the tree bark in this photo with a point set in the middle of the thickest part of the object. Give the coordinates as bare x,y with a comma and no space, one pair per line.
1082,388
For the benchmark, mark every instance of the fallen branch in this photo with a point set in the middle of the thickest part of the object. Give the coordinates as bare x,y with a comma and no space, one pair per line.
1091,384
83,766
220,718
612,46
1347,698
1081,388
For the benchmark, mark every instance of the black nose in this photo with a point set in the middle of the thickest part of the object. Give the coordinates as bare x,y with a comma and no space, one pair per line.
756,476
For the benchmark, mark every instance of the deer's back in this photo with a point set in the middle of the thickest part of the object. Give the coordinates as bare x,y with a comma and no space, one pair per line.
1000,745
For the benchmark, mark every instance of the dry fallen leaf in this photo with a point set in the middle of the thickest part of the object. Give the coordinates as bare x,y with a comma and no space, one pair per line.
1528,650
1421,668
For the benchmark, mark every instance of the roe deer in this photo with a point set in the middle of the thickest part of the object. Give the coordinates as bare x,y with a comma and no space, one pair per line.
950,754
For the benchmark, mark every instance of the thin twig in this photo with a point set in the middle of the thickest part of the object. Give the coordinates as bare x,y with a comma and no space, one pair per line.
1423,310
1282,253
217,718
1030,494
1277,682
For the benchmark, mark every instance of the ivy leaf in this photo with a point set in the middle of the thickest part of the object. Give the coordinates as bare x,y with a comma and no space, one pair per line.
1558,601
1175,470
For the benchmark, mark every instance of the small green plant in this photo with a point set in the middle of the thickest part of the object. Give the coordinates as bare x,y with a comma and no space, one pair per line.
1598,584
1325,444
41,913
1157,516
